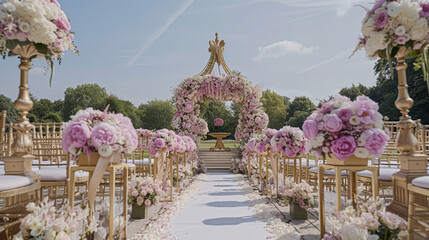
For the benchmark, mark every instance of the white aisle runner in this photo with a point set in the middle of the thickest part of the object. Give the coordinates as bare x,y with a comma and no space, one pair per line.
219,211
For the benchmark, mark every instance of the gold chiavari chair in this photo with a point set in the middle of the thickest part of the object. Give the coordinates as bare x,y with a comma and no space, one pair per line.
425,139
418,209
328,178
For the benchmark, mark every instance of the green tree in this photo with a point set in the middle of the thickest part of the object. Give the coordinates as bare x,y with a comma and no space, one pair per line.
298,108
274,106
7,104
354,91
209,111
125,107
157,114
83,96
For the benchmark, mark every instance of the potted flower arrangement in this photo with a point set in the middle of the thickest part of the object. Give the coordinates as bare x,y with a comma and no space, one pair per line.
238,165
289,140
370,221
351,131
36,28
218,122
142,194
91,133
144,136
162,140
298,196
46,222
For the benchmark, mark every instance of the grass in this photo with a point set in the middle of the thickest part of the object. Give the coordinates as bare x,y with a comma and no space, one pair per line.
227,143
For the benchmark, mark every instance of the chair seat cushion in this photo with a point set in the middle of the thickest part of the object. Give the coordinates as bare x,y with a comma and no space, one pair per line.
130,166
57,174
140,161
8,182
327,172
385,174
422,182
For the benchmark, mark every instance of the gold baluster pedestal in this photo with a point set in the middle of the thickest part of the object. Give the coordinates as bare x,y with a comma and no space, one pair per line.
412,165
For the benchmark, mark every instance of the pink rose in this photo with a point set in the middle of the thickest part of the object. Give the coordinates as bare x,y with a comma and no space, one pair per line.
381,19
310,129
261,147
63,24
218,122
189,106
343,147
103,134
135,193
76,135
375,141
333,123
147,202
140,201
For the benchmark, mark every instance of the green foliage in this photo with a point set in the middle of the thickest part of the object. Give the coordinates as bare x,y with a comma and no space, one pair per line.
83,96
157,114
354,91
299,109
7,104
125,107
209,111
274,106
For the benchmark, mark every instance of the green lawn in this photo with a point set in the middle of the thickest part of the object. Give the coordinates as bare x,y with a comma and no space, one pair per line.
227,143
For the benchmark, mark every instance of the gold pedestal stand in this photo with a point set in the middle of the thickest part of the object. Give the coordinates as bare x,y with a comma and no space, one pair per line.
412,165
352,187
156,170
112,169
219,144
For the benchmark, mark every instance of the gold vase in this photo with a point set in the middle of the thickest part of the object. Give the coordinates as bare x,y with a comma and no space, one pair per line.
350,161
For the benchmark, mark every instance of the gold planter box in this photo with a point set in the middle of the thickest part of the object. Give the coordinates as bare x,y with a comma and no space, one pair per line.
83,159
350,161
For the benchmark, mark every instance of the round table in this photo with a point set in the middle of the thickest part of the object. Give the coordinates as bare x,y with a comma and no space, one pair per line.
219,144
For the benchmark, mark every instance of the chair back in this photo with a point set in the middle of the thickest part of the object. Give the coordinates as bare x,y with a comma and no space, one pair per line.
47,145
6,135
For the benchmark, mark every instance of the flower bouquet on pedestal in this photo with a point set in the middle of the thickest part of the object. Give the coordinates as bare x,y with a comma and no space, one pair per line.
298,196
370,221
350,131
290,141
143,193
218,122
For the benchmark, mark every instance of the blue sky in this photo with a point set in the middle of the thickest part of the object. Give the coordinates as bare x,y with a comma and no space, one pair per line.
140,50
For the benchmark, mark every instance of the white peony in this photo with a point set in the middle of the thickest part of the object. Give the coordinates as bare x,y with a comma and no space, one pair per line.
352,232
410,13
419,30
361,152
368,26
105,151
393,9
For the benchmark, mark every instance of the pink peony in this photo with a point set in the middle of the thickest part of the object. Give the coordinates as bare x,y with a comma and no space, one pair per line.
261,147
189,106
381,19
333,123
76,135
343,147
147,202
63,24
103,134
310,129
375,141
218,122
366,109
345,114
159,143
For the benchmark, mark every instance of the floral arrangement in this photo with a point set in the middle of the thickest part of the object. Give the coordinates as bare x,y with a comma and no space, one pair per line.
290,141
185,172
218,122
189,143
346,128
45,222
144,135
209,87
162,139
262,142
297,193
38,22
144,191
200,166
91,131
239,165
370,221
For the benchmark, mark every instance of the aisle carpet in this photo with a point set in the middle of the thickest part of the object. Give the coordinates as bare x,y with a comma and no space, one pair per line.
220,211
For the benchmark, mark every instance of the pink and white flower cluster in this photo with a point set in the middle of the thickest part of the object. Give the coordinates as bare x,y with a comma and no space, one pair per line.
92,130
209,87
218,122
289,140
346,128
165,139
262,142
297,193
144,136
391,24
41,22
370,221
46,222
239,165
144,191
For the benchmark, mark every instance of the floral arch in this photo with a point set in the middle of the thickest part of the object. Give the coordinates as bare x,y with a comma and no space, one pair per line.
206,87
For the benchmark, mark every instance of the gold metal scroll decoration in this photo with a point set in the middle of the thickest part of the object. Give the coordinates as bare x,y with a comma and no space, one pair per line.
216,50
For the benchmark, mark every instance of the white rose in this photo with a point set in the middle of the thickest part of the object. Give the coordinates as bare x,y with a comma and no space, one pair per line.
74,151
50,234
400,31
354,120
319,139
393,9
30,207
105,151
361,141
368,26
361,152
352,232
420,30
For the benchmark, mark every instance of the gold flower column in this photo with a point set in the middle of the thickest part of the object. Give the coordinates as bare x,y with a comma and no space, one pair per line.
412,165
21,160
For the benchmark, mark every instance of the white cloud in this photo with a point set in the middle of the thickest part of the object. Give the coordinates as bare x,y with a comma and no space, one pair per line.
282,48
152,38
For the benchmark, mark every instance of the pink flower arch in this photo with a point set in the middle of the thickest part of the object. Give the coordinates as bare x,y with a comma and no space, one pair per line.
235,88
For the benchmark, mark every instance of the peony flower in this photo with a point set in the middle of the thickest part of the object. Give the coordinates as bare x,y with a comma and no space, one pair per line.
103,134
375,141
368,26
345,114
76,135
393,9
424,13
63,24
343,147
361,152
310,129
105,151
381,19
419,30
333,123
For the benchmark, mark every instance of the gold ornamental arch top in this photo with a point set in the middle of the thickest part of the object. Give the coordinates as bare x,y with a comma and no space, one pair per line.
216,50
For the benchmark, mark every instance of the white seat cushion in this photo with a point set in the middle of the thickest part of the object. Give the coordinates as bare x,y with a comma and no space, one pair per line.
140,161
385,174
130,166
8,182
422,182
327,172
